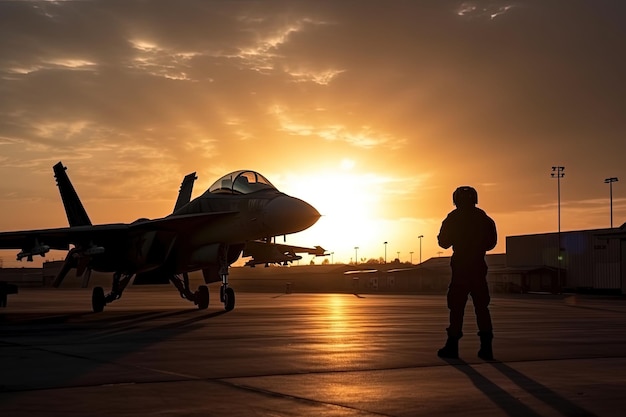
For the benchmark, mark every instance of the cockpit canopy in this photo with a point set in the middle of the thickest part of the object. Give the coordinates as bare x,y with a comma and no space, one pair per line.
241,182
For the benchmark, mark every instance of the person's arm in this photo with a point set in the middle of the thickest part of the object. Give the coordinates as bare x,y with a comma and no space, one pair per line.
492,235
444,238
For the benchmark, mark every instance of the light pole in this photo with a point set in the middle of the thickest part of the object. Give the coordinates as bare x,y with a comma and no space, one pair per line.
411,253
557,172
398,256
332,258
385,252
610,181
356,257
420,238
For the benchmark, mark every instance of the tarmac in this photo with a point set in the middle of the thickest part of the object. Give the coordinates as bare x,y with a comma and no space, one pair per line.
154,354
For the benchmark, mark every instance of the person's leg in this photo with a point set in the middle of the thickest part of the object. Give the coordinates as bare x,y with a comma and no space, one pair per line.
457,299
481,299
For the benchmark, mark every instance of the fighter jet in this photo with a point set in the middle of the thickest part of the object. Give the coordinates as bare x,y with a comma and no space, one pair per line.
242,211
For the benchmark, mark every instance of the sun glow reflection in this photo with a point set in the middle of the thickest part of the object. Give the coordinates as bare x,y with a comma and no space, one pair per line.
338,331
336,312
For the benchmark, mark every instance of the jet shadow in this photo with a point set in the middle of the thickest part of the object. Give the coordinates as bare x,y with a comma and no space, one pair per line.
46,338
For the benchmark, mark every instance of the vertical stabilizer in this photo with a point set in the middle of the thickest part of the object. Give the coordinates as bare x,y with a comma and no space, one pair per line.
76,214
184,194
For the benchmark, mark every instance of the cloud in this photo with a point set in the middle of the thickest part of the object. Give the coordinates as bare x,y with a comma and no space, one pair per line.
324,128
483,9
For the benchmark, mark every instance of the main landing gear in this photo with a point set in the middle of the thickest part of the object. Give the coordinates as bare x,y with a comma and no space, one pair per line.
99,299
201,296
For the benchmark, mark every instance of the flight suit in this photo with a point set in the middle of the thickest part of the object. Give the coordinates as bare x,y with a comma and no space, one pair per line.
471,233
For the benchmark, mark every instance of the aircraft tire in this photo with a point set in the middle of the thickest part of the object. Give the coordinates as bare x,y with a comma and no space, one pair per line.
203,297
97,300
229,299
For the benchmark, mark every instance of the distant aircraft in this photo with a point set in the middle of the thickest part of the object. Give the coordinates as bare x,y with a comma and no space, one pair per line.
262,253
240,212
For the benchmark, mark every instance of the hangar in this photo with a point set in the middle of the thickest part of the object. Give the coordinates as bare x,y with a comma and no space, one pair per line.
589,261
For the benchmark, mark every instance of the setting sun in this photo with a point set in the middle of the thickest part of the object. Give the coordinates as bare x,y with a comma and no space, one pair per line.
348,202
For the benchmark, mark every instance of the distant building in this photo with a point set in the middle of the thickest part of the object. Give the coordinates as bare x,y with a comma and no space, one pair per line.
24,277
591,261
437,273
611,238
430,277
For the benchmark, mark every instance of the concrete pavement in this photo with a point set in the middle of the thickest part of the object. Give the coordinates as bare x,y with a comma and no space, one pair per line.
152,353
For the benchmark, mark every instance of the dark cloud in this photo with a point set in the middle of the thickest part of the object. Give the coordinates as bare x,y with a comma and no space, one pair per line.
539,67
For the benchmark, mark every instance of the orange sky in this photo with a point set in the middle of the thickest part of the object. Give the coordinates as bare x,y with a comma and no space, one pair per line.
372,111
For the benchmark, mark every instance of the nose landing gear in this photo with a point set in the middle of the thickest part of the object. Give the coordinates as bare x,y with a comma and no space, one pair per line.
227,294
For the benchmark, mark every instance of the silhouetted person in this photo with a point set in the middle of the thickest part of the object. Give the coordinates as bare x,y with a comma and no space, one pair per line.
471,233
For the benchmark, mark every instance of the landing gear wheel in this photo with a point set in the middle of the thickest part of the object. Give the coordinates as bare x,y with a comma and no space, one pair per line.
98,300
202,297
229,299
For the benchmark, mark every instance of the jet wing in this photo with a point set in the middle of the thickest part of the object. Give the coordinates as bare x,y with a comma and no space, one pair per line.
270,253
39,242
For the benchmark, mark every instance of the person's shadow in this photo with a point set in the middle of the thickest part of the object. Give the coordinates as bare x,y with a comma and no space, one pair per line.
511,405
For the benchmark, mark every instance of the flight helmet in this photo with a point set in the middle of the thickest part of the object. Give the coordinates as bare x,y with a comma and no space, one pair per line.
465,196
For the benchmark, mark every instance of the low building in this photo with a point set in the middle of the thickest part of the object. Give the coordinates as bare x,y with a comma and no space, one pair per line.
613,237
588,261
22,277
430,277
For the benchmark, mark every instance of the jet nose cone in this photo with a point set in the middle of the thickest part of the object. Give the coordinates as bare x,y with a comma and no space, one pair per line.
284,215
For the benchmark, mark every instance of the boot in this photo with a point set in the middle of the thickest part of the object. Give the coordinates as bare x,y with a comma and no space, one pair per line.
451,349
486,350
